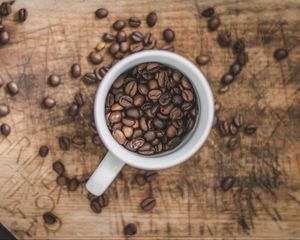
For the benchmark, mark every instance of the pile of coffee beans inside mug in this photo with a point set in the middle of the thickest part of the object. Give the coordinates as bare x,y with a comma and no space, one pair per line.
150,108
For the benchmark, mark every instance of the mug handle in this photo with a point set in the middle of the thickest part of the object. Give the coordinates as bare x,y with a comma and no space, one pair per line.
104,174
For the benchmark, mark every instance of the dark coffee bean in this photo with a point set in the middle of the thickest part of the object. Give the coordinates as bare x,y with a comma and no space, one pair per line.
136,47
114,48
135,144
49,218
126,101
124,47
165,110
224,39
242,59
101,13
224,128
139,179
146,152
227,79
95,58
61,180
49,102
80,98
233,143
185,83
186,106
227,183
58,167
119,82
213,23
188,95
154,95
233,129
4,37
159,124
108,37
136,36
131,88
95,206
12,88
165,99
133,113
169,35
171,131
134,22
73,110
100,72
145,148
168,47
5,9
151,19
150,176
119,136
130,229
153,84
174,142
202,59
78,142
176,113
89,78
280,53
4,110
148,204
148,39
44,150
96,140
235,69
118,25
149,136
22,15
137,133
115,117
75,70
176,100
250,129
103,200
238,121
73,184
138,100
121,37
54,80
208,12
64,143
5,129
239,46
143,89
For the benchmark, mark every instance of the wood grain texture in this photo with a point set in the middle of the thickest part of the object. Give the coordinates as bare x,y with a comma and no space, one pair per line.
265,201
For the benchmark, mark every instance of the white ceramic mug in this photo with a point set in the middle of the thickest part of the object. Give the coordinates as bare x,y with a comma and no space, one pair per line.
118,155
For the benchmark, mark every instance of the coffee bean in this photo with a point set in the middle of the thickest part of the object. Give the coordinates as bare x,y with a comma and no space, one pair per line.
136,47
227,79
103,200
224,128
100,46
54,80
227,183
165,110
165,99
128,131
44,150
135,144
131,88
149,136
238,121
61,180
116,107
148,39
12,88
208,12
130,229
185,83
119,136
5,9
139,179
133,113
235,69
224,39
49,218
64,143
80,98
213,23
78,142
280,53
75,70
100,72
137,133
186,106
125,101
143,89
114,48
138,100
48,102
121,37
73,110
171,131
4,37
58,167
143,124
154,95
223,89
108,37
118,25
124,47
95,206
89,78
73,184
159,124
239,46
22,14
136,37
202,59
176,113
250,129
151,19
115,117
101,13
134,22
150,176
242,59
5,129
169,35
148,204
96,140
233,129
176,100
188,95
168,47
233,143
4,110
95,58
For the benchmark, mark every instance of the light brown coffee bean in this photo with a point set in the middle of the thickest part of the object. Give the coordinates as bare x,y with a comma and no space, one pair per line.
137,133
149,136
135,144
165,110
131,88
154,94
119,82
171,131
115,117
128,131
138,100
148,204
143,124
119,136
188,95
133,113
116,107
128,122
143,89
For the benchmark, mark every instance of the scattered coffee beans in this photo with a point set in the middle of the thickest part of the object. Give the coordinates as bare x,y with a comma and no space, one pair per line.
89,78
64,143
49,218
280,53
250,129
103,200
58,167
75,70
242,59
169,35
44,150
4,110
119,25
95,206
238,120
73,184
5,129
227,183
140,179
5,9
80,98
95,58
12,88
73,110
54,80
213,23
148,204
108,37
22,15
151,175
49,102
61,180
224,39
202,59
101,13
239,46
151,19
208,12
134,22
130,229
233,143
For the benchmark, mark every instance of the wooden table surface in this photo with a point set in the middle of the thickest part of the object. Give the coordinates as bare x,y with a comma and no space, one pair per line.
265,200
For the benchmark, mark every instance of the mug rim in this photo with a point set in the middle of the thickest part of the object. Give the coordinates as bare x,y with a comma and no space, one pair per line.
152,161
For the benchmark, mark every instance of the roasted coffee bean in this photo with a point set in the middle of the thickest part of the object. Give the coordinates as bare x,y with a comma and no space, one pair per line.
137,133
101,13
116,107
117,126
233,129
148,39
213,23
124,47
136,47
114,48
89,78
133,113
177,100
134,22
165,110
49,218
188,95
143,124
139,179
224,128
185,83
148,204
135,144
103,200
238,121
64,143
176,113
250,129
80,98
78,142
5,129
227,79
154,95
171,131
130,229
187,106
280,53
127,131
4,110
75,70
108,37
174,142
150,176
138,100
100,72
4,37
119,82
115,117
223,89
73,184
233,143
143,89
126,101
119,136
61,180
22,14
227,183
168,47
239,46
54,80
202,59
136,37
159,124
153,84
73,110
151,19
208,12
149,136
224,39
146,147
235,69
5,9
44,150
95,58
47,102
100,46
128,122
121,37
165,99
118,25
131,88
96,140
12,88
169,35
95,206
242,59
58,167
